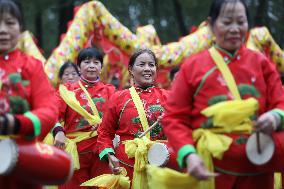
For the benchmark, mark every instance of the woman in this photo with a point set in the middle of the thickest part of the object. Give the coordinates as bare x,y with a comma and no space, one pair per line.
122,117
200,84
28,105
68,73
81,123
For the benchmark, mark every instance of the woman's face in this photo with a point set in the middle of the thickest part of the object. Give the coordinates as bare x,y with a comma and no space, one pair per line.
144,70
231,26
90,68
9,32
69,75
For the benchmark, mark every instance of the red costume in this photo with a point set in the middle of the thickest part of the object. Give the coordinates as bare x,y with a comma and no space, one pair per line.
200,84
90,165
28,95
122,118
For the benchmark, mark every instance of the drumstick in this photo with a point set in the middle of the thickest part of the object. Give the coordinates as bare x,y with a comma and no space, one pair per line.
150,128
258,143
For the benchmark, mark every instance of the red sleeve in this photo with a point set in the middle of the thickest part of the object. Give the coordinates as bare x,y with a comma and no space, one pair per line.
176,120
107,129
43,105
274,89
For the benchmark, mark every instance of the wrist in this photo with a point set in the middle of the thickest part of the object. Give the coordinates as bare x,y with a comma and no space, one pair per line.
187,158
57,130
109,154
277,121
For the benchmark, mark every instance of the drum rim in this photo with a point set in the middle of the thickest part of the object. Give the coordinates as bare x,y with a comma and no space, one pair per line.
168,157
15,156
249,156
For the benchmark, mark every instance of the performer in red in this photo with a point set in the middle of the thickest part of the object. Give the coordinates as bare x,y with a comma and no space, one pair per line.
200,84
80,124
122,117
27,100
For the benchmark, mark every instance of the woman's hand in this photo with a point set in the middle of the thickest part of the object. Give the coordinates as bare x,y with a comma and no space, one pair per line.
196,168
114,164
267,123
59,140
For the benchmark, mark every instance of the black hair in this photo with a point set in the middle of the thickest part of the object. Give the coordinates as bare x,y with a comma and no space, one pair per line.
65,66
139,52
9,6
90,52
216,7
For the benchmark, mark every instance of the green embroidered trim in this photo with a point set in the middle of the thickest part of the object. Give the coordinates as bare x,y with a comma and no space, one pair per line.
82,122
101,114
241,140
235,173
138,133
103,154
18,105
156,107
217,99
203,80
281,114
156,131
136,120
231,55
123,108
207,124
101,99
36,122
15,78
248,89
183,152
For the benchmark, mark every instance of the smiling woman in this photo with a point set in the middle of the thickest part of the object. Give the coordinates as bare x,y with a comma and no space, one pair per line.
81,108
126,118
142,68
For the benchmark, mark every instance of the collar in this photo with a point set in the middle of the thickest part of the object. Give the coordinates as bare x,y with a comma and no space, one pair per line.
147,89
228,57
88,83
9,54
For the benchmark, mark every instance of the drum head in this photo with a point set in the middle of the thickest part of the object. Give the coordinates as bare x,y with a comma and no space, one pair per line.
158,154
266,149
9,156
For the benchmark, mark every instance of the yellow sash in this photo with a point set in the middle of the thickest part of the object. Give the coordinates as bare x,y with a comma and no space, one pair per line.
226,73
138,148
110,181
141,112
70,99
